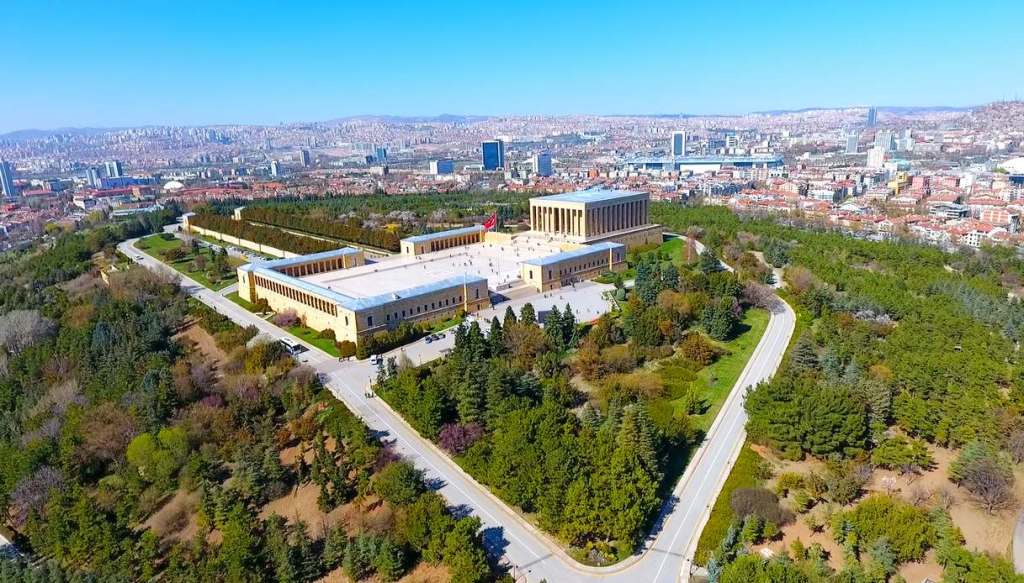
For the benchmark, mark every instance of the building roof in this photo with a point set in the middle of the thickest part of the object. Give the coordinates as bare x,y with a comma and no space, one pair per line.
444,234
436,286
301,259
356,304
604,246
585,196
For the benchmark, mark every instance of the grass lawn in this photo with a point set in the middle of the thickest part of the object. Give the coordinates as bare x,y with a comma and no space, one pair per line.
445,324
233,296
156,246
716,380
313,337
745,474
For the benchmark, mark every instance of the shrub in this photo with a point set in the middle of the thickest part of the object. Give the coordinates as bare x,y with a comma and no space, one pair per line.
759,502
286,318
638,385
346,348
788,481
617,358
327,333
456,438
398,483
844,481
697,349
909,531
906,455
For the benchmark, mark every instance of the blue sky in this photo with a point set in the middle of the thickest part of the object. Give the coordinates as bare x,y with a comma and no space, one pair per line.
116,63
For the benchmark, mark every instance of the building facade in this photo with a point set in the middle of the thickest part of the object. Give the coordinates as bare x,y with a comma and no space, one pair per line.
679,143
566,268
542,164
431,242
493,154
7,179
593,216
353,318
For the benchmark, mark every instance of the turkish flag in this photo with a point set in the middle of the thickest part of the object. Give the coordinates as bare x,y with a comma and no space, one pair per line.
491,222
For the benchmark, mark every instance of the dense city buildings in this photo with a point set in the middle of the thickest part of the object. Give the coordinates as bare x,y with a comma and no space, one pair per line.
904,163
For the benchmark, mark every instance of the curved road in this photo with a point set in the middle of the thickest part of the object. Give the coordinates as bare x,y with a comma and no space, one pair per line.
667,553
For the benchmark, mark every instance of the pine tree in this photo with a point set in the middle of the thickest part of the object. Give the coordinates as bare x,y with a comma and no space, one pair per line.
804,357
335,543
553,327
510,317
568,326
669,277
470,392
708,261
498,382
496,338
527,315
589,416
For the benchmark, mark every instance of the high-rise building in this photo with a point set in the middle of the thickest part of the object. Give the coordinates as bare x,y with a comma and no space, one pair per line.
886,140
493,154
275,168
114,169
876,157
872,117
542,164
679,143
442,166
380,154
7,179
303,158
851,143
906,141
92,176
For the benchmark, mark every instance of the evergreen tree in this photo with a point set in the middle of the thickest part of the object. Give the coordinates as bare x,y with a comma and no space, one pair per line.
335,543
708,262
470,393
553,328
568,326
510,317
527,315
669,277
804,357
495,338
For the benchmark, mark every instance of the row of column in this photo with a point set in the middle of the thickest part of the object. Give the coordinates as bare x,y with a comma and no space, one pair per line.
332,264
558,220
589,222
440,245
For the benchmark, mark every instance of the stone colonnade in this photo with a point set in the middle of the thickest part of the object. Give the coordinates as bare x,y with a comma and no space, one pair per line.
588,220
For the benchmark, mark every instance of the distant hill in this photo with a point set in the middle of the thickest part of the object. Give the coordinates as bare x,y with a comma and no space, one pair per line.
34,134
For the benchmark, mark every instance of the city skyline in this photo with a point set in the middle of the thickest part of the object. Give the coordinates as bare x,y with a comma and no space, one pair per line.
161,65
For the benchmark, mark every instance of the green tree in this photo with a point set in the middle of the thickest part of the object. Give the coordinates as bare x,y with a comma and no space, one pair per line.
398,483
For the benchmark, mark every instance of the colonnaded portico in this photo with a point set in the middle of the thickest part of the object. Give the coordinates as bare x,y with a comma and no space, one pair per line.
589,216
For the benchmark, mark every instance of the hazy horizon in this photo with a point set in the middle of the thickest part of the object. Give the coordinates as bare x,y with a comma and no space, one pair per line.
92,64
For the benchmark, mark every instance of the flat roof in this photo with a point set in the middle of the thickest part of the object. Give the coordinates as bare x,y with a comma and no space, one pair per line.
582,251
585,196
300,259
355,304
444,234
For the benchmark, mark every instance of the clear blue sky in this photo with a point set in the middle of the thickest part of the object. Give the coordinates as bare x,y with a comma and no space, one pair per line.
85,63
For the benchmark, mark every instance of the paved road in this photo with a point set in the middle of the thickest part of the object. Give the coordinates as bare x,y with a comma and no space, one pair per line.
666,554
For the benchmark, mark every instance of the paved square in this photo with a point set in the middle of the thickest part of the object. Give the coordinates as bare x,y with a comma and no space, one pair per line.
497,262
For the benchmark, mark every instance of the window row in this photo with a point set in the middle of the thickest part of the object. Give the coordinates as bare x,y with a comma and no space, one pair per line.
297,295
